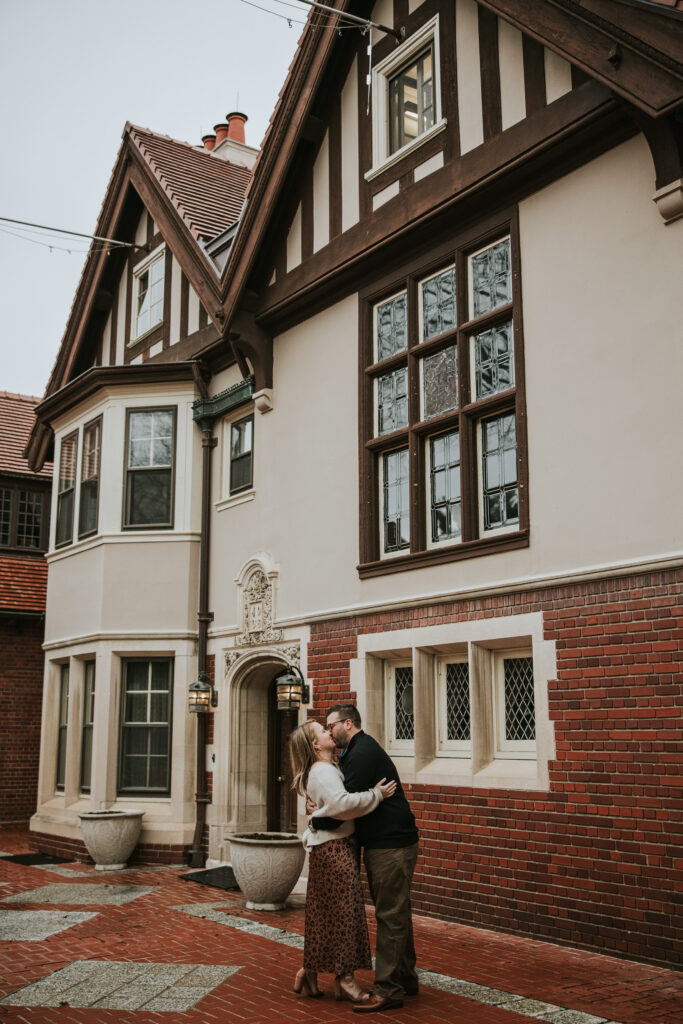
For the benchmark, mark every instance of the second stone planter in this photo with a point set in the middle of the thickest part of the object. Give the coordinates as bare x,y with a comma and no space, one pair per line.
266,866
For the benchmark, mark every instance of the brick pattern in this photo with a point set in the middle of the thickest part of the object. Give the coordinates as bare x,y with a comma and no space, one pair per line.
591,862
21,698
74,849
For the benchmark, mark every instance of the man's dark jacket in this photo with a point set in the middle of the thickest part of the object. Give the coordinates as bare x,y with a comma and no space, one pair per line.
363,764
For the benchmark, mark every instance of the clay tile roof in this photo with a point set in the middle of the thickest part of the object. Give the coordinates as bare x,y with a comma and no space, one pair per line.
207,191
23,583
16,422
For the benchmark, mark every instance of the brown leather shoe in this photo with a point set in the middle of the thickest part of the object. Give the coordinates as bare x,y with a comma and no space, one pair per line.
376,1004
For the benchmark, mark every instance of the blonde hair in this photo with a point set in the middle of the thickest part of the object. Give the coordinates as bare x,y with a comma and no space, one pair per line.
302,755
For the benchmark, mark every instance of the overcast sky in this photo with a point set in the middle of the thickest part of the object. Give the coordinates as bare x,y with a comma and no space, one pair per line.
71,75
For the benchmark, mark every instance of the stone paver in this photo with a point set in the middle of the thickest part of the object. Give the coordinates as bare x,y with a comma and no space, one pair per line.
79,893
123,986
36,925
243,964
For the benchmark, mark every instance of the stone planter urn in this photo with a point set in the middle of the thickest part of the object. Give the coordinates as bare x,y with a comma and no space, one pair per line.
111,836
266,866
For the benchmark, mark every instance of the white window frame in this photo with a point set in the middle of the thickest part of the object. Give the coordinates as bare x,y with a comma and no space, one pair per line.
504,748
158,254
228,500
395,745
444,746
426,36
380,484
513,527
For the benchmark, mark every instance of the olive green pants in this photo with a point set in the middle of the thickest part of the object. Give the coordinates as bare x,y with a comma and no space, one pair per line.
390,873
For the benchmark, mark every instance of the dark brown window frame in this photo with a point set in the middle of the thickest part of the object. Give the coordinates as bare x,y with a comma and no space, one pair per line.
58,467
465,418
89,533
16,487
87,727
147,792
149,526
61,766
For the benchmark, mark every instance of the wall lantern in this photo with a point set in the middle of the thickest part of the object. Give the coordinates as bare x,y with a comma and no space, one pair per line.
203,697
292,689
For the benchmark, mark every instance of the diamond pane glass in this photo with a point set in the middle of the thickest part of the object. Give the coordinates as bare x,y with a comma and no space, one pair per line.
494,360
440,383
458,701
499,472
392,401
5,515
445,486
404,722
29,519
519,699
438,304
491,278
391,327
396,501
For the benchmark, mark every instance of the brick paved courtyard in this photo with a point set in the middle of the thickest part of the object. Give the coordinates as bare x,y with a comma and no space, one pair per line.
143,946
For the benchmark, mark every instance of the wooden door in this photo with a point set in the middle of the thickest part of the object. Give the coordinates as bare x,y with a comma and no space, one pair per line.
281,796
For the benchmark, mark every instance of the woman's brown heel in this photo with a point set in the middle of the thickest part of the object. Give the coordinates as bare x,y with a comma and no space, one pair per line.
346,987
306,982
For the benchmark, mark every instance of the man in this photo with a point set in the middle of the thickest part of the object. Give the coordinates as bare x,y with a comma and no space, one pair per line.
389,839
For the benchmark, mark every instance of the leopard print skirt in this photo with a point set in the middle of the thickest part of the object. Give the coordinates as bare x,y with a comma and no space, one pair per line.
336,933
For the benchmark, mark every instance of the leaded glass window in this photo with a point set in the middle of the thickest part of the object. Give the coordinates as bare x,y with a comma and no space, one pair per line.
458,701
6,494
392,401
499,472
145,751
88,720
444,459
395,487
404,720
494,364
520,722
440,382
438,304
149,467
411,101
491,278
65,489
149,296
391,327
29,519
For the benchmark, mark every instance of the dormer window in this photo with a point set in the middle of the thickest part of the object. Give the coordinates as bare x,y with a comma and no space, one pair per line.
406,98
148,294
411,101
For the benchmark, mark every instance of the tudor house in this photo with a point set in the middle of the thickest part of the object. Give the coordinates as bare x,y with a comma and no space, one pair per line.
421,445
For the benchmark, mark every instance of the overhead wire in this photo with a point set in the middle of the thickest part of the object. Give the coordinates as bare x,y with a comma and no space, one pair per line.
53,247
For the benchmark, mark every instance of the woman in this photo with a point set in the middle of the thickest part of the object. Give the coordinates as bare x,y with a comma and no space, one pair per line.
336,933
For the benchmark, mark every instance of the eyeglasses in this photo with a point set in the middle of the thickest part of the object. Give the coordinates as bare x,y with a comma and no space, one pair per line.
330,725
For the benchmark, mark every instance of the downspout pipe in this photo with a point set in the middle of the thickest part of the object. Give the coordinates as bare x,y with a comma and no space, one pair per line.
206,411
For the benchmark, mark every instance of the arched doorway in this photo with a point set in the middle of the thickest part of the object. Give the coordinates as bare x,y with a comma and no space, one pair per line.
259,774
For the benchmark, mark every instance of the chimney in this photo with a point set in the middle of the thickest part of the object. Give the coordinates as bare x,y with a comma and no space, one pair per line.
236,122
222,131
209,142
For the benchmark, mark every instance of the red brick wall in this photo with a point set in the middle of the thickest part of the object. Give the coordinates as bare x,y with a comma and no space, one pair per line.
592,862
21,696
74,849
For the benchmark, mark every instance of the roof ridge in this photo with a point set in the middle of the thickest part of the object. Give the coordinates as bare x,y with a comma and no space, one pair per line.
23,398
194,148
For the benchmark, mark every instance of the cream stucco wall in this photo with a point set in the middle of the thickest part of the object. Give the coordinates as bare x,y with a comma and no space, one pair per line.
602,313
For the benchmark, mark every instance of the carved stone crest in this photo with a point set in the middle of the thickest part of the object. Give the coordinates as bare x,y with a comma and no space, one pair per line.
257,612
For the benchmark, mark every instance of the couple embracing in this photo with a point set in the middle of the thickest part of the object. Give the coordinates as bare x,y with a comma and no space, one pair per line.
339,797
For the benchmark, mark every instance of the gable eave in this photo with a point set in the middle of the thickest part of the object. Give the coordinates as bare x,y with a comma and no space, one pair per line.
595,37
